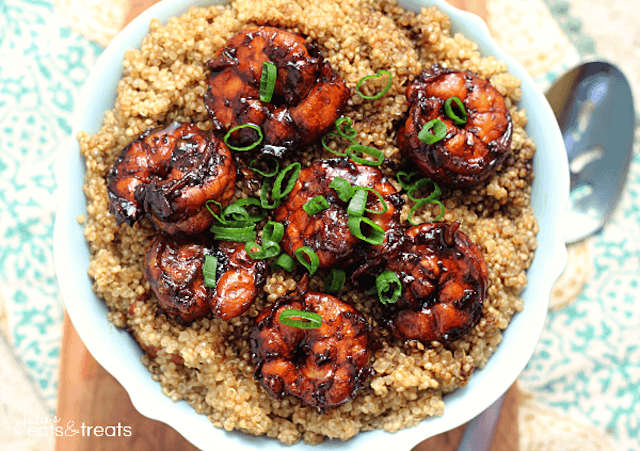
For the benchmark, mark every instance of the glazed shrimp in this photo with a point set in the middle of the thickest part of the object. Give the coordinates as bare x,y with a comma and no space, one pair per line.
308,96
240,280
327,232
174,271
170,173
444,283
324,367
469,152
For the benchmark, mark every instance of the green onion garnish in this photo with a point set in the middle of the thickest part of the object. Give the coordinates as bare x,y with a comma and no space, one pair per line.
234,231
326,146
378,195
316,205
421,201
209,271
264,196
355,149
313,263
278,192
284,261
269,173
272,233
458,119
368,77
420,204
335,281
343,188
213,213
348,132
267,81
250,146
239,213
400,175
357,203
376,234
241,226
419,184
308,320
439,132
262,252
389,287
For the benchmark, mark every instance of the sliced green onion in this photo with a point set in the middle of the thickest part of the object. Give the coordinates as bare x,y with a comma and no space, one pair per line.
269,173
308,320
348,132
439,132
278,192
419,184
380,198
239,213
215,215
313,263
335,281
284,261
250,146
316,205
354,149
389,287
400,175
376,234
267,81
357,203
420,204
240,232
272,233
209,271
368,77
262,252
326,146
343,188
264,196
451,114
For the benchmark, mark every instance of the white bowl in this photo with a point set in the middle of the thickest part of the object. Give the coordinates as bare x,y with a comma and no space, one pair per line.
119,354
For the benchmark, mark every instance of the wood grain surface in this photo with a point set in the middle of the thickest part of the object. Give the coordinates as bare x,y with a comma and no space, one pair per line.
101,411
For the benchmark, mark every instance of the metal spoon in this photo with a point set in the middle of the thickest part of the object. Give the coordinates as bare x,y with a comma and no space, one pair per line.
594,108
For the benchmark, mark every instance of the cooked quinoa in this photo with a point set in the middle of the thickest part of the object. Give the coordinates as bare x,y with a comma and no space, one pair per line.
207,363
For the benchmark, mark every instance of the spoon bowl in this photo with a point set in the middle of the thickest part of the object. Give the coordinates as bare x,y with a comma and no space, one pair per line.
594,107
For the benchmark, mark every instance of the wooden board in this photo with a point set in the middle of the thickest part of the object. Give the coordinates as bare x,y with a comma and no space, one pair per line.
91,398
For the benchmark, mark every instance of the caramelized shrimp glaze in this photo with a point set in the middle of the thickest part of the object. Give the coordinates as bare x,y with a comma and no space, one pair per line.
469,153
444,284
308,96
324,367
170,173
174,271
327,232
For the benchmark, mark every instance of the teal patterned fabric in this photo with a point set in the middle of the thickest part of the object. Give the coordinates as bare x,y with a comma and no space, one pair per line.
587,363
42,68
588,360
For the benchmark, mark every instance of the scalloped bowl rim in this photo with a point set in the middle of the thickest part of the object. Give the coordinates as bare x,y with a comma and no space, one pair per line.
119,353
